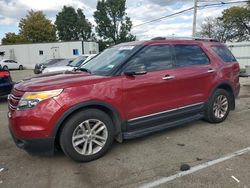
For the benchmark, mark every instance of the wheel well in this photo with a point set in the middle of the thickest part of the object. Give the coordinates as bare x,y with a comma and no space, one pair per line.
230,90
113,115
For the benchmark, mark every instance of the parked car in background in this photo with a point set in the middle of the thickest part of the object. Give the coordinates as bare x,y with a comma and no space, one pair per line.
8,64
76,63
63,62
127,91
5,82
49,62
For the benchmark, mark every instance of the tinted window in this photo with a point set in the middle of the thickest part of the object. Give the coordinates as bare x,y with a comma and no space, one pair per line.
188,55
153,58
224,53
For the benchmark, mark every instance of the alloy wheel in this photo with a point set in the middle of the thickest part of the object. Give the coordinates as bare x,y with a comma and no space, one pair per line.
89,137
220,106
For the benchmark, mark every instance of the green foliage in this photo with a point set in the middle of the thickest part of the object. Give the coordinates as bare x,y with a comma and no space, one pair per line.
113,25
35,27
236,21
233,25
72,25
13,38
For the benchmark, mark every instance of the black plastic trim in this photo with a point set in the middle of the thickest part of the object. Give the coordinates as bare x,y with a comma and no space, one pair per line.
163,126
162,118
36,146
115,114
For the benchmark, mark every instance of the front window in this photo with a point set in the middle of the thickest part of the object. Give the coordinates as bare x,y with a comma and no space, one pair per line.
108,60
78,61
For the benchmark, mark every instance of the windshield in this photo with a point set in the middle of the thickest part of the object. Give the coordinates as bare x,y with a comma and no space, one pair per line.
78,61
106,61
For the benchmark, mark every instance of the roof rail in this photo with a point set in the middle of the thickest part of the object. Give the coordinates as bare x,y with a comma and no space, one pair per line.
185,38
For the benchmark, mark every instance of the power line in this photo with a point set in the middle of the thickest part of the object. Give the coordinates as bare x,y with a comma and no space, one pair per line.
189,9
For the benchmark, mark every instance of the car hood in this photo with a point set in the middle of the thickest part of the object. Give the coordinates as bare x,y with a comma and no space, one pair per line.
57,80
58,68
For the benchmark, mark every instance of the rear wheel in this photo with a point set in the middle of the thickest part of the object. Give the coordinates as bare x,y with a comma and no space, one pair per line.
5,68
87,135
20,67
218,106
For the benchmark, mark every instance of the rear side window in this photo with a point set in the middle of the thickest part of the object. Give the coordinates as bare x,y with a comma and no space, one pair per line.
154,58
224,53
189,55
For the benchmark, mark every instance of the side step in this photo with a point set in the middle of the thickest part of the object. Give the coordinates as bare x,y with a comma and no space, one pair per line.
157,128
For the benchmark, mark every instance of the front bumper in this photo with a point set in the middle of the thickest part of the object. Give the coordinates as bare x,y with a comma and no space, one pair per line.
35,146
32,129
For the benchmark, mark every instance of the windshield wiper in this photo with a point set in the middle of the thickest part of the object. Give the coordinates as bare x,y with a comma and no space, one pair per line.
84,70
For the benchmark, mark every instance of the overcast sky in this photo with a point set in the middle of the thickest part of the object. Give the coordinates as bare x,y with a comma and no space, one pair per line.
139,11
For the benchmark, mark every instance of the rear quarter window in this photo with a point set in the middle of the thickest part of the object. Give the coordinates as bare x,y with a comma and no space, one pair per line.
224,53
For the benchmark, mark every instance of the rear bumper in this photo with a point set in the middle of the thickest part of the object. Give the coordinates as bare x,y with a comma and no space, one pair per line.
5,89
35,146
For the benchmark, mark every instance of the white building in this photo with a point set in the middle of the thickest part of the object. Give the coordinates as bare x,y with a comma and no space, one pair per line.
30,54
241,51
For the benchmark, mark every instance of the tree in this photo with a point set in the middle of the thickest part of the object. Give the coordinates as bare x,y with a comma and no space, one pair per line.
72,25
113,25
84,27
213,28
236,21
35,27
233,25
13,38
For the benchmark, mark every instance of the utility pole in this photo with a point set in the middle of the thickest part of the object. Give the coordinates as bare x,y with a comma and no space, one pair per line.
195,17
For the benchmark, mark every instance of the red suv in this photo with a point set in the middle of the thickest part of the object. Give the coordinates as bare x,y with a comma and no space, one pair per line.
127,91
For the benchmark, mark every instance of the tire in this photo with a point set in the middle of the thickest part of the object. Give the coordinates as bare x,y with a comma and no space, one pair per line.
77,125
218,106
20,67
5,68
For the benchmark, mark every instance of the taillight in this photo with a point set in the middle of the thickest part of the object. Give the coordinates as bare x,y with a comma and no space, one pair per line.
4,74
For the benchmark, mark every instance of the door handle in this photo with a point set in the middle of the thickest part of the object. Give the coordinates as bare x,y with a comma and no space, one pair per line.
168,77
210,70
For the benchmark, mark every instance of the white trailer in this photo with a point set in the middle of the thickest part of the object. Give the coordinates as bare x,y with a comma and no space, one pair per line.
241,51
30,54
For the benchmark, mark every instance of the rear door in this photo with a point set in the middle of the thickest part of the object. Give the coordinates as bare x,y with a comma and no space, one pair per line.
193,72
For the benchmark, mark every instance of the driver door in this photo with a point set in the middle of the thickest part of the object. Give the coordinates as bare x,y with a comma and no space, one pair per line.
154,91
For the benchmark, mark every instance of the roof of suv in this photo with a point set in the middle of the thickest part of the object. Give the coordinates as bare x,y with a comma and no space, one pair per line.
170,41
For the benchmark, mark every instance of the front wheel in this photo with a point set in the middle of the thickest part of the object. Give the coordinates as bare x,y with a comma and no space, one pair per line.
87,135
218,106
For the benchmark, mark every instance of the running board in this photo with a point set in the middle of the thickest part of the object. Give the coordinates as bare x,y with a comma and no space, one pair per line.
157,128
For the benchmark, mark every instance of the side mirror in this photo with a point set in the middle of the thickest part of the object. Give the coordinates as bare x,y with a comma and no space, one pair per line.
138,71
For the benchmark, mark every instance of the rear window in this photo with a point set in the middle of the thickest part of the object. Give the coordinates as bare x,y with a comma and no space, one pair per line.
190,55
224,53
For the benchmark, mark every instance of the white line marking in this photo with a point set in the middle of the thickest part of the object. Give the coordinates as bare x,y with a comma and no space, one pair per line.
235,179
195,168
1,169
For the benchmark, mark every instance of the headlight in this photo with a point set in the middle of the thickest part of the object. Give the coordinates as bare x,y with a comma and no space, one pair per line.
31,99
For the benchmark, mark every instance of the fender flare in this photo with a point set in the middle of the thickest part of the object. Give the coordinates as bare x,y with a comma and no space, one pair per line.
116,118
222,85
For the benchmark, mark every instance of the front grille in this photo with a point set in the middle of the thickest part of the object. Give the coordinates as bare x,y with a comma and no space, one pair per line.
14,98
